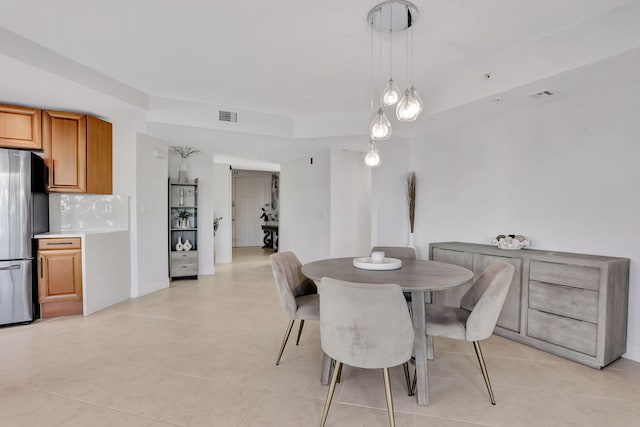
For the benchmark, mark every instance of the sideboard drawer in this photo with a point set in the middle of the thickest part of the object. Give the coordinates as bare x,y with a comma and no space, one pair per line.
565,274
184,270
581,304
563,331
184,257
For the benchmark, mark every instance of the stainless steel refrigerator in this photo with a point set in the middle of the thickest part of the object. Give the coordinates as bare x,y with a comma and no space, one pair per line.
24,211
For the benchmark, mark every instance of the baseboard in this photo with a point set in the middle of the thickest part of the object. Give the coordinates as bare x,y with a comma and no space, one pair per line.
153,286
633,352
207,271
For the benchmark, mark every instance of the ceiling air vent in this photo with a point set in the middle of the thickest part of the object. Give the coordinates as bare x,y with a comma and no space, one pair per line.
228,116
543,94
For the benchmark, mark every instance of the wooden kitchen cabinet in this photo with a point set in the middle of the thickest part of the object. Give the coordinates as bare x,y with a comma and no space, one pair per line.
77,150
59,276
20,127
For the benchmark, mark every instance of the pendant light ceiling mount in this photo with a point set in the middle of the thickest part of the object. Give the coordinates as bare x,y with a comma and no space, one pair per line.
393,16
390,17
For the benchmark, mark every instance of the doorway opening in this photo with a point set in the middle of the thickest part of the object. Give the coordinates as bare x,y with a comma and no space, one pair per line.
254,207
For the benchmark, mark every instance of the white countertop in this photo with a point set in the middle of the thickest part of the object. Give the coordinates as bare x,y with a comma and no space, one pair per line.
65,234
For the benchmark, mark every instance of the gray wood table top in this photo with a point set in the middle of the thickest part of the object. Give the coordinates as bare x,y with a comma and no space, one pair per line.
414,275
417,276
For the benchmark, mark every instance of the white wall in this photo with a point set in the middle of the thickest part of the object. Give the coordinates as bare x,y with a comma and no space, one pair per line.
389,205
304,207
200,166
350,183
124,183
151,216
325,207
222,208
564,174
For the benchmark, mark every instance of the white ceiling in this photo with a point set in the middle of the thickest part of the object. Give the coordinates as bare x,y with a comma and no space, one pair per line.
303,59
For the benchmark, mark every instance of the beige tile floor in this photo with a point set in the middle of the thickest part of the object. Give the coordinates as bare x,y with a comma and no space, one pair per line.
201,353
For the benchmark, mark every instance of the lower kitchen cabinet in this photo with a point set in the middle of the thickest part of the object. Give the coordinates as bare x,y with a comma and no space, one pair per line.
571,305
59,276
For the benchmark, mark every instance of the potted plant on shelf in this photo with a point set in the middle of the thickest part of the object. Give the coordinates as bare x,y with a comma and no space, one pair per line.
183,218
184,153
216,223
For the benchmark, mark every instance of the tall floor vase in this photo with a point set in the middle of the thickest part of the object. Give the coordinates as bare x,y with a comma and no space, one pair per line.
411,241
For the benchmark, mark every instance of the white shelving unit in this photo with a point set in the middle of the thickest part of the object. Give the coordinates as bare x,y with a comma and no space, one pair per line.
183,198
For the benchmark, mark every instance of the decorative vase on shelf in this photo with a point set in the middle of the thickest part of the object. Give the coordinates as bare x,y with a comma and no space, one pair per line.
187,245
180,245
181,202
183,173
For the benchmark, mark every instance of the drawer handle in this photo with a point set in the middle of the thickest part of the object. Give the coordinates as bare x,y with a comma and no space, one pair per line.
58,243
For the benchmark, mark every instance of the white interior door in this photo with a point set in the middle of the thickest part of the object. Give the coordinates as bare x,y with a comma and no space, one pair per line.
250,197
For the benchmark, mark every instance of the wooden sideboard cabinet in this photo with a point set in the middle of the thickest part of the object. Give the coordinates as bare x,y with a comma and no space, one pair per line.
77,150
20,127
571,305
59,276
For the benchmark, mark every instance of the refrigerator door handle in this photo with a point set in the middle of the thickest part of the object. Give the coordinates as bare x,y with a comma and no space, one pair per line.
11,267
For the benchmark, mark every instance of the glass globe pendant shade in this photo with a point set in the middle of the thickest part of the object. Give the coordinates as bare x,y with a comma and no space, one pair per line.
380,126
391,93
372,159
408,108
417,99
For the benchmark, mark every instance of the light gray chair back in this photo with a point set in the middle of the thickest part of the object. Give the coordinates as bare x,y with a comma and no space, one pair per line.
365,325
396,251
486,298
290,282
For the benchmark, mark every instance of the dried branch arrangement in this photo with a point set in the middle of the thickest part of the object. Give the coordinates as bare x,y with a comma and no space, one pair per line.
411,197
184,152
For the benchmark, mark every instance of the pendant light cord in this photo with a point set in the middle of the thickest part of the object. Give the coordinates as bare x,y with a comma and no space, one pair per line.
391,44
372,84
408,79
380,60
412,60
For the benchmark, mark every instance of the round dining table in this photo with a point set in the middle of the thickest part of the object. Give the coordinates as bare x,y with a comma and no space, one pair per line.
417,276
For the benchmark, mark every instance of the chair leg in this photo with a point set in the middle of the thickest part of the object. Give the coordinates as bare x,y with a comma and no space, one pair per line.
284,341
387,389
340,373
300,331
406,378
332,389
483,368
413,383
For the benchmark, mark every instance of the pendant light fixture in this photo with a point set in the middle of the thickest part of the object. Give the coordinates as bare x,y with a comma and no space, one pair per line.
380,127
410,106
391,92
389,17
372,159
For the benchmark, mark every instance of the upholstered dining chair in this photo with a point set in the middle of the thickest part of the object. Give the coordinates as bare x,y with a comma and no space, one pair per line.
396,251
364,326
298,294
476,319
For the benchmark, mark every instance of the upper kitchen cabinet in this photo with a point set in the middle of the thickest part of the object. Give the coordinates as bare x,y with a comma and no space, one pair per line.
77,150
20,127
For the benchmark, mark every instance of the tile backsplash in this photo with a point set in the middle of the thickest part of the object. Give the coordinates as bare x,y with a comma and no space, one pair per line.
88,212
